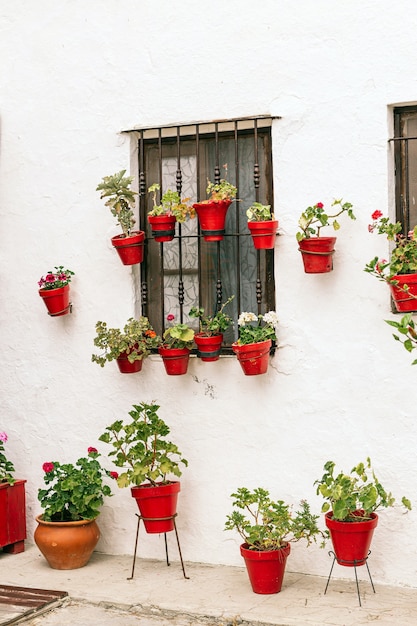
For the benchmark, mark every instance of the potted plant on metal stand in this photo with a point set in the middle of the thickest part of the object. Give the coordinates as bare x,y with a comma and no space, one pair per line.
128,347
163,217
262,225
210,336
12,505
317,251
212,212
175,347
267,528
256,333
400,272
54,291
121,200
67,532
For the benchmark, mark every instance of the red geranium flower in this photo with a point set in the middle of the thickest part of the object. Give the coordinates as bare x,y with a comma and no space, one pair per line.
48,467
114,475
91,449
376,215
170,317
319,205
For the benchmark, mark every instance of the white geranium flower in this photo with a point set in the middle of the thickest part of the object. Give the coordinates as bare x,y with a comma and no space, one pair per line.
245,318
271,318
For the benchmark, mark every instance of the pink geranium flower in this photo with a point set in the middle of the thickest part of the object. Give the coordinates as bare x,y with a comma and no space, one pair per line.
48,467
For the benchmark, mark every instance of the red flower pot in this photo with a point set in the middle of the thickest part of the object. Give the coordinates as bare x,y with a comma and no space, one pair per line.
130,249
212,218
208,347
156,504
13,517
263,234
351,540
163,227
404,300
253,357
175,360
265,568
56,300
317,254
126,367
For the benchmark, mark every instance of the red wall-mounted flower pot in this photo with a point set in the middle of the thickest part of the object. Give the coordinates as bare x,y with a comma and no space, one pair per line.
351,540
263,234
317,254
56,300
157,505
265,568
126,367
130,249
405,301
163,227
253,357
212,218
175,360
208,347
13,517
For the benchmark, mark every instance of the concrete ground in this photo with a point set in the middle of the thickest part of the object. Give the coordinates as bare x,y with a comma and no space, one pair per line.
100,594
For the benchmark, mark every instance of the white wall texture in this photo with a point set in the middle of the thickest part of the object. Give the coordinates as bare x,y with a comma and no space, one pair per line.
73,75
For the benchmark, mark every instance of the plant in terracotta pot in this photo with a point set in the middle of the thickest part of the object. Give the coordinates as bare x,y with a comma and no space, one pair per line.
267,528
400,272
12,505
256,334
120,199
350,504
317,251
129,347
212,212
54,291
176,344
262,225
162,217
407,333
67,532
140,446
211,328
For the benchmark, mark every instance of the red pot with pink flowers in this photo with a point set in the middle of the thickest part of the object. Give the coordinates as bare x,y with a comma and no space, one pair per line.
54,291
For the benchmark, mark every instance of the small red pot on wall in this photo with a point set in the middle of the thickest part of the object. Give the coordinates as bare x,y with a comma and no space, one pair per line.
157,505
56,300
208,347
126,367
405,301
175,360
163,227
253,357
263,234
212,218
130,249
317,254
265,568
13,517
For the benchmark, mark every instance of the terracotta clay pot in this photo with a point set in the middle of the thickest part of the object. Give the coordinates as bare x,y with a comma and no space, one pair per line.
265,568
66,545
317,254
263,234
163,227
56,300
253,357
130,249
208,347
157,503
13,517
212,218
351,540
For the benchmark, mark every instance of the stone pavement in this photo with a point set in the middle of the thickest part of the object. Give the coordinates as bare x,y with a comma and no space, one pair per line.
100,594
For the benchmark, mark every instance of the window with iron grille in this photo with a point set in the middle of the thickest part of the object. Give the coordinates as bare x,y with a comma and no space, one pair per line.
405,151
189,271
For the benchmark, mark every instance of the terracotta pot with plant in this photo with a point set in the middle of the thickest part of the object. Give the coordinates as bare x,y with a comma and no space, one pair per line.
211,328
121,202
350,504
212,212
54,291
12,505
400,272
140,447
256,334
267,528
128,347
176,344
67,532
262,225
317,251
163,217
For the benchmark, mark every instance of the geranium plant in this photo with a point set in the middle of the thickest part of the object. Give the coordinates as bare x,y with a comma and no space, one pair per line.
140,447
120,199
74,491
171,204
57,279
266,525
215,324
407,333
136,340
260,213
223,190
177,336
6,467
315,217
255,328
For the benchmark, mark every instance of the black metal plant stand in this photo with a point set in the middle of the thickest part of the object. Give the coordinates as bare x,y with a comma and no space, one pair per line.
350,564
158,519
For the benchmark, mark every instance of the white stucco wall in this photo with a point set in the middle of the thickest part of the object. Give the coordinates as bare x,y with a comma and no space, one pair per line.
74,74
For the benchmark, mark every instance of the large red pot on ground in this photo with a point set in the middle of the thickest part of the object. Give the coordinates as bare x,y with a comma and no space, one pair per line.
13,517
351,540
66,545
212,218
317,254
56,300
130,249
265,568
253,357
405,301
163,227
175,360
157,505
263,234
126,367
208,348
